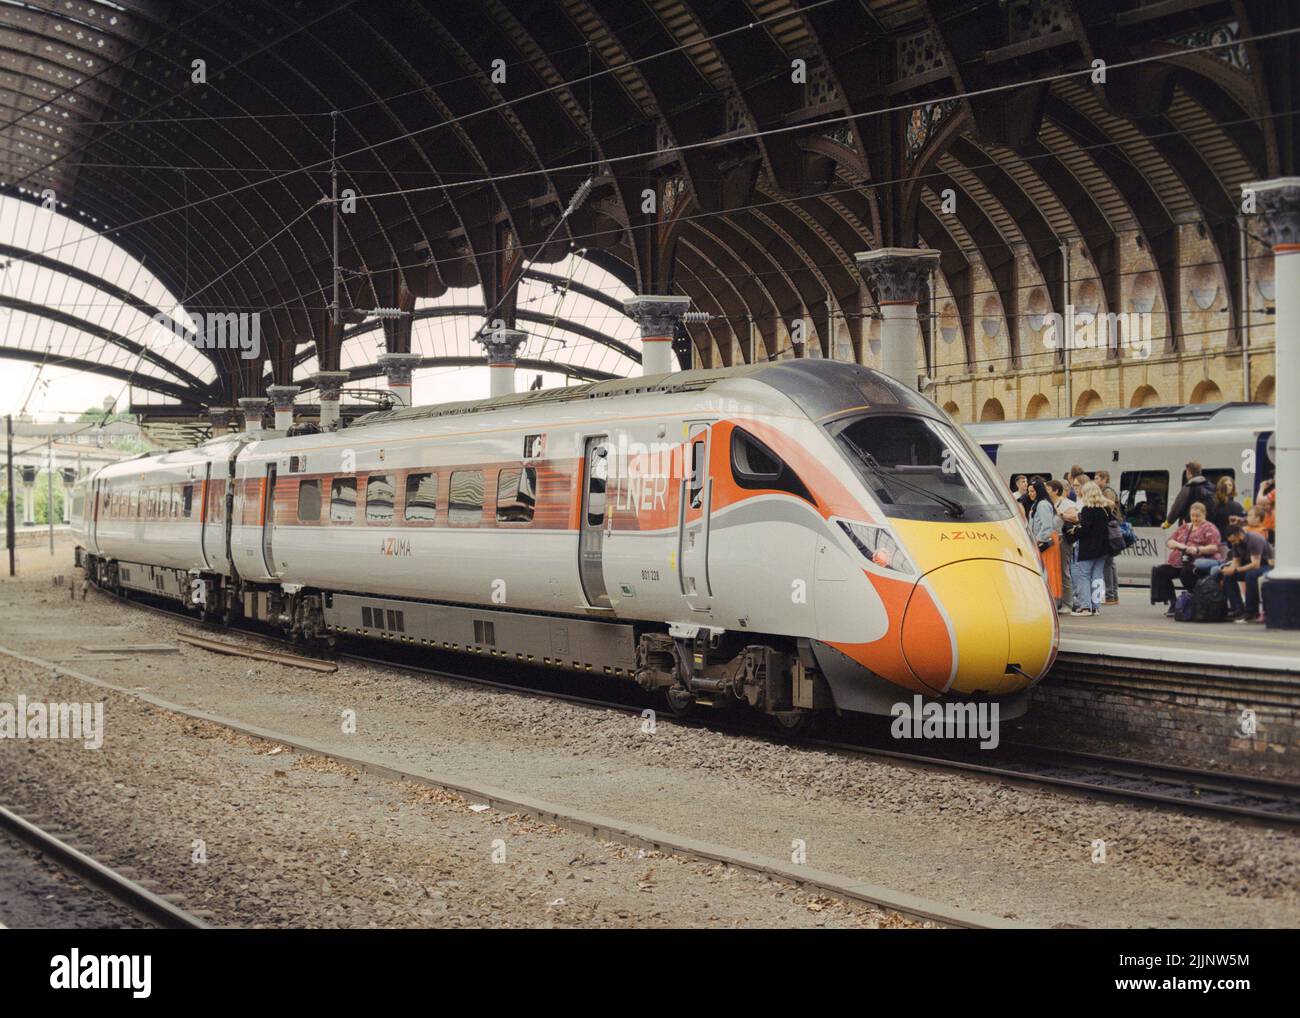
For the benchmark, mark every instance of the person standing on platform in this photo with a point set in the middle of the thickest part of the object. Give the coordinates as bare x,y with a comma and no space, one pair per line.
1066,527
1108,572
1092,548
1022,494
1195,489
1043,527
1267,503
1225,509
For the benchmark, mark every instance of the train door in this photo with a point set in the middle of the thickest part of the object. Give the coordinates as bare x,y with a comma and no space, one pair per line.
203,516
693,511
268,518
594,521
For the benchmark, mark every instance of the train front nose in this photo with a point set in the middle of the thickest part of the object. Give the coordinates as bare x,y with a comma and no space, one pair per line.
1000,624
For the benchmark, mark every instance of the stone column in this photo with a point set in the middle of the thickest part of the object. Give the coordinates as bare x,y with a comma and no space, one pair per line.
502,347
69,478
29,495
330,386
1279,201
898,277
219,418
282,399
398,368
658,318
254,410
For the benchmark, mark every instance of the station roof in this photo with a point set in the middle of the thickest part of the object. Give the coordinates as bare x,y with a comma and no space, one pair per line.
778,138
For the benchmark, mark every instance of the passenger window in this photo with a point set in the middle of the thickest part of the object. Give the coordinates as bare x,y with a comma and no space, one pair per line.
309,501
597,473
177,499
1213,476
421,498
187,501
516,495
754,465
216,502
465,499
379,498
343,500
1144,494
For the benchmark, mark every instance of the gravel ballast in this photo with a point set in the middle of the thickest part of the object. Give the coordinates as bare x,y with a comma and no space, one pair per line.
1026,854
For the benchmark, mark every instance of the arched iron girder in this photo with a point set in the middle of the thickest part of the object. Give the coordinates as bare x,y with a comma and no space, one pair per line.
478,311
364,371
99,332
147,382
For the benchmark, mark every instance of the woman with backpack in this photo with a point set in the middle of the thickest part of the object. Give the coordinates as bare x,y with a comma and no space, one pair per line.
1093,547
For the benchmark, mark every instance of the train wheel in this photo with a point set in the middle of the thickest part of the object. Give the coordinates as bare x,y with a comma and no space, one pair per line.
793,723
681,702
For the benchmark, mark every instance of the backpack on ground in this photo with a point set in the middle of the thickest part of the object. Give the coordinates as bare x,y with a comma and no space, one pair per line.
1183,608
1208,602
1115,536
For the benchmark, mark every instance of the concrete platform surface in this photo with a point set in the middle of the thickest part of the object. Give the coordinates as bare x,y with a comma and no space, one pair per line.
1138,629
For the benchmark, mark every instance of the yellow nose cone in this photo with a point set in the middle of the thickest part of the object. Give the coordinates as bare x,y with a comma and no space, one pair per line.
1000,616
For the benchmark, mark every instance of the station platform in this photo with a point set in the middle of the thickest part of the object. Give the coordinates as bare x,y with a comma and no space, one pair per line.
1137,629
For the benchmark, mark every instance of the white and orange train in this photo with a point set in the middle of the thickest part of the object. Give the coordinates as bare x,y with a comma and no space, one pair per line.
799,535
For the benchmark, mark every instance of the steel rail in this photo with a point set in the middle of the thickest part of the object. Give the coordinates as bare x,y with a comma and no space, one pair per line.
126,892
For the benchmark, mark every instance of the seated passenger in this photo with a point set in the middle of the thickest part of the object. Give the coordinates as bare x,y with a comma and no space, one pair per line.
1255,522
1252,557
1198,539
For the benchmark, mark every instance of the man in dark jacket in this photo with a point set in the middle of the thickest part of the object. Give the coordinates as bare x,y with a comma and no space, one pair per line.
1196,489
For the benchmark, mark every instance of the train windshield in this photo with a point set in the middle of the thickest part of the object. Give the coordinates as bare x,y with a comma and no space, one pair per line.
919,468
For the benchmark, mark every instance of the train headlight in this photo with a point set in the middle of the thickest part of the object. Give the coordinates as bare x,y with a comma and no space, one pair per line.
878,545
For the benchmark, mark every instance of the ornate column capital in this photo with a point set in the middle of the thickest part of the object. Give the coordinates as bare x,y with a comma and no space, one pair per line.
502,345
69,475
254,410
1278,201
28,474
281,396
329,384
897,275
398,367
219,418
657,315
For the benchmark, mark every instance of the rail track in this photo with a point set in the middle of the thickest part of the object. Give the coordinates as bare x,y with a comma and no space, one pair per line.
154,908
1116,778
